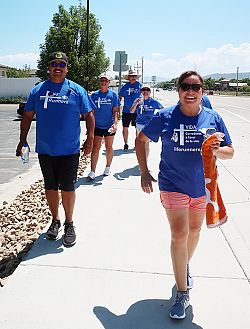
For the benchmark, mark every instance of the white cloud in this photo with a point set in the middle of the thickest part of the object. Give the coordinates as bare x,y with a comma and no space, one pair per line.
212,60
157,55
19,60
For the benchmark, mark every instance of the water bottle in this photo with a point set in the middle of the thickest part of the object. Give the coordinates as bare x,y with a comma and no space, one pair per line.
25,153
111,130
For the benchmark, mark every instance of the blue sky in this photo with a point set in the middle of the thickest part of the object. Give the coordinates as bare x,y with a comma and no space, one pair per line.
172,36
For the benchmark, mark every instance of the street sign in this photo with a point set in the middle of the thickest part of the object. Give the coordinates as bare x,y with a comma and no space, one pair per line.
116,67
153,78
120,58
120,63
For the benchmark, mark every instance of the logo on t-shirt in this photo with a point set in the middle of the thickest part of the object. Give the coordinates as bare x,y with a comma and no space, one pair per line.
188,136
54,98
102,101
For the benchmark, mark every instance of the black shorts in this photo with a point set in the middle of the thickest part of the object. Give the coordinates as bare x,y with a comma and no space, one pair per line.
127,118
59,172
102,132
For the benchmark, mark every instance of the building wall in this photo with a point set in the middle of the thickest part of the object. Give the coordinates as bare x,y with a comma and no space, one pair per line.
14,87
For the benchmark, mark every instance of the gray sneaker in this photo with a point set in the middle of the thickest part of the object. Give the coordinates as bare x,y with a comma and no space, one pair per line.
53,230
178,310
69,237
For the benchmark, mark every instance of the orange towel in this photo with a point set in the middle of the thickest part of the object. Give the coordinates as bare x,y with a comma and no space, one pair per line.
215,210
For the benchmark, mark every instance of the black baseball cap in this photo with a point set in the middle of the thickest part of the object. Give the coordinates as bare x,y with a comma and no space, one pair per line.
58,56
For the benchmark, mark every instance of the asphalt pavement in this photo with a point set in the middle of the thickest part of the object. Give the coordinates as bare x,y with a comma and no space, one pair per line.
119,273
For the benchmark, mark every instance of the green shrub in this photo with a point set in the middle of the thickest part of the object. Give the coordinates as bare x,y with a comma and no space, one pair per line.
12,100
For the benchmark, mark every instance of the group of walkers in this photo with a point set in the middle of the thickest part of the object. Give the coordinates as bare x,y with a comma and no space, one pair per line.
58,104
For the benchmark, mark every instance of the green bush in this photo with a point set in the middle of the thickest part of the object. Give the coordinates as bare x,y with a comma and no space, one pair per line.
12,100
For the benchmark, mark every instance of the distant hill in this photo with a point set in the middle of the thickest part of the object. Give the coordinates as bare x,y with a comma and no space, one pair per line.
229,76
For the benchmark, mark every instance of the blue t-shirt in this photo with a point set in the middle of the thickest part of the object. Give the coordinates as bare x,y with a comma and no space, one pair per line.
206,102
58,107
130,92
181,166
104,103
146,110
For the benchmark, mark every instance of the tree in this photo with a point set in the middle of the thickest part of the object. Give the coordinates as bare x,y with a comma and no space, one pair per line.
18,73
68,34
209,84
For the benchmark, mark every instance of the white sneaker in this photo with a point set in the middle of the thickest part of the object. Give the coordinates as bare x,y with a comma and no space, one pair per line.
106,171
91,175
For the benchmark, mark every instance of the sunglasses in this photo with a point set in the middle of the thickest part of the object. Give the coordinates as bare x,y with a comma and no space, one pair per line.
103,80
56,64
146,89
186,86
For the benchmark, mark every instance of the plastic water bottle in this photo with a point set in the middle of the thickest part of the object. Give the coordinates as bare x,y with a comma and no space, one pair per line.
25,153
111,130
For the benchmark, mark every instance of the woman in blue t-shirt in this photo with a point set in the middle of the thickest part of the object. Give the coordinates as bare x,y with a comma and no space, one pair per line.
106,118
182,129
145,107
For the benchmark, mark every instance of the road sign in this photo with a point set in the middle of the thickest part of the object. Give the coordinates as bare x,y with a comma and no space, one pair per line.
120,58
116,67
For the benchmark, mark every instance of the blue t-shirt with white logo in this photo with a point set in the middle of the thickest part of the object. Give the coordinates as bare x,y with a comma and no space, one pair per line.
104,104
181,166
130,92
58,107
146,110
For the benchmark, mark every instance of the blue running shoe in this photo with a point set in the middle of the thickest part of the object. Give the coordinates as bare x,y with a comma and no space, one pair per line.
178,310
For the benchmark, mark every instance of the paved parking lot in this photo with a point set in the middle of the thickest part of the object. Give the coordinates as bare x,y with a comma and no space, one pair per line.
10,165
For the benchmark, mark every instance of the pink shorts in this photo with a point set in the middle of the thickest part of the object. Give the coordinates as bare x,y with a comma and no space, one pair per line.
175,200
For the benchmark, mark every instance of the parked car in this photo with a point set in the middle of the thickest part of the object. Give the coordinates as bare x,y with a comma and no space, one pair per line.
157,89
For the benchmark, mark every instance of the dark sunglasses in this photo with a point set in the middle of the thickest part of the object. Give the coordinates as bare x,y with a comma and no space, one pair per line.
186,86
145,89
61,64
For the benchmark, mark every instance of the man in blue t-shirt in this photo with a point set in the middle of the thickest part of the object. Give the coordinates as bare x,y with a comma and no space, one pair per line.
58,104
130,92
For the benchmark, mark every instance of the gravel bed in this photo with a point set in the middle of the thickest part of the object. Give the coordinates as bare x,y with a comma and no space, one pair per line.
21,223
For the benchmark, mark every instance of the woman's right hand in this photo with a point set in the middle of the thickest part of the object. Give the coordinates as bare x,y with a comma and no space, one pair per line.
146,182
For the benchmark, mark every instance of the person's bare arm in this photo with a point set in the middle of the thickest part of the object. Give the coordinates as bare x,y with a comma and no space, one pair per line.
24,130
146,178
90,126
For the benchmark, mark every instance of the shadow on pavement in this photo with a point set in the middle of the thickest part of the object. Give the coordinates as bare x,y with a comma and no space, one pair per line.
85,181
119,152
127,172
146,314
44,246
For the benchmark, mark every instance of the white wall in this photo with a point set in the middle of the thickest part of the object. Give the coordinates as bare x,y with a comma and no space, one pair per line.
14,87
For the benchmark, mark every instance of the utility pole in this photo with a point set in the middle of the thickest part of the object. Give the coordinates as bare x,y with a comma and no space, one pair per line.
87,48
237,80
137,67
142,63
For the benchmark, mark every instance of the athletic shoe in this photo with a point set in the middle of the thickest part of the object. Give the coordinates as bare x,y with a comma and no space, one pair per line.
91,175
69,237
106,171
125,147
178,310
190,280
53,230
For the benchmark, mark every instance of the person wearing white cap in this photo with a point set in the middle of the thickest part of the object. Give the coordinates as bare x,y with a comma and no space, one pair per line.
145,107
106,117
130,92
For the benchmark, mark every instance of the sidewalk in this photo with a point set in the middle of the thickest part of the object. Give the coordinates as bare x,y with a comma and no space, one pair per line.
119,273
